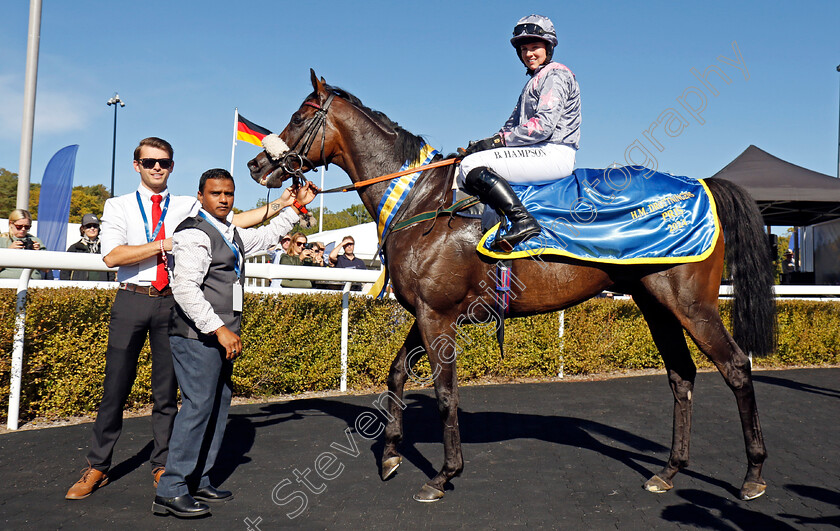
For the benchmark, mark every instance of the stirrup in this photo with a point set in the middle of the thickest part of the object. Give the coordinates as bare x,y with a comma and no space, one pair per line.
503,243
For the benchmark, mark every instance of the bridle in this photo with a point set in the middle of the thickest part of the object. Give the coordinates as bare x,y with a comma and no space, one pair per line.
292,161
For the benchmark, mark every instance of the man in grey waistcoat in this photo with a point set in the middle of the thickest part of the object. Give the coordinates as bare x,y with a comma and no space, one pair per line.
207,284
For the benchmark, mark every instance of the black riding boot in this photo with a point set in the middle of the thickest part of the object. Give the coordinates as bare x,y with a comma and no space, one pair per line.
498,195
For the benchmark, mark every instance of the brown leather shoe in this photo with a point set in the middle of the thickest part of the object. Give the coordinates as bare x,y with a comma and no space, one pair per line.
91,480
157,473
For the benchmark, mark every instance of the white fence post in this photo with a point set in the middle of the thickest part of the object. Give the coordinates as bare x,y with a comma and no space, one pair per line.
17,351
560,332
345,331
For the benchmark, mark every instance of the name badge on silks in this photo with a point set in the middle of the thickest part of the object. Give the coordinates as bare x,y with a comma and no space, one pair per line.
237,297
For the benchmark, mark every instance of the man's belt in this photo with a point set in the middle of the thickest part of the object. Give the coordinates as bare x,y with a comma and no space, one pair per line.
149,290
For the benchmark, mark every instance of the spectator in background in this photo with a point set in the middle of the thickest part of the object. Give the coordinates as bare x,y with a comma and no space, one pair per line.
18,237
788,267
277,252
318,254
89,229
297,255
347,260
318,261
280,249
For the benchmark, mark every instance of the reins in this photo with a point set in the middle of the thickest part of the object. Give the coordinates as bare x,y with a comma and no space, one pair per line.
293,160
361,184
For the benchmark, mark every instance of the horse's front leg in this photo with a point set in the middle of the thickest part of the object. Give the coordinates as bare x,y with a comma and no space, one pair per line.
405,359
442,349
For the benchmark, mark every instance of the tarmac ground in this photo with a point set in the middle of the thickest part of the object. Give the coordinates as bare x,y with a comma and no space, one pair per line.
560,455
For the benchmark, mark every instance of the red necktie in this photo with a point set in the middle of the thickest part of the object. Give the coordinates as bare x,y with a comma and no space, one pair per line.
162,279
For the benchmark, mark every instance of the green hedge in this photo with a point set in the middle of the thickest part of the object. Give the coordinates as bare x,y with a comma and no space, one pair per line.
291,345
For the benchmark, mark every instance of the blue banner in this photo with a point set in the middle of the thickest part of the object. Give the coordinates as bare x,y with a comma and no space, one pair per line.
627,215
54,202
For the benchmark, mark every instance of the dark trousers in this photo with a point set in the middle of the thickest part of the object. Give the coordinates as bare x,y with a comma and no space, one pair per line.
204,376
133,316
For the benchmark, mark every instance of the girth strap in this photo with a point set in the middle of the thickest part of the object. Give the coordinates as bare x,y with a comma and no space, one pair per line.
463,204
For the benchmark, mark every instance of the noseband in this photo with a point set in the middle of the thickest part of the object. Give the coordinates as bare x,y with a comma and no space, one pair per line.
292,161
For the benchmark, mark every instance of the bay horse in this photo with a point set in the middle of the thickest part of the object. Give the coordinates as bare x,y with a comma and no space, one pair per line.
437,276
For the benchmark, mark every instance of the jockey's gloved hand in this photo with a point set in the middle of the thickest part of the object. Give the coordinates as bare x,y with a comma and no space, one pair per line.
494,141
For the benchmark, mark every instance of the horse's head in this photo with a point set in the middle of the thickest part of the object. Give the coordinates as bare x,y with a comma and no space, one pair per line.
306,133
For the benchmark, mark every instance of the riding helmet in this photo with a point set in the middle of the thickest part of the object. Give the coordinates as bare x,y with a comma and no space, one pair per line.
534,27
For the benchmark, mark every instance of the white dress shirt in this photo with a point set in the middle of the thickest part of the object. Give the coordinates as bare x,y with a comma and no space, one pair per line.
191,250
122,224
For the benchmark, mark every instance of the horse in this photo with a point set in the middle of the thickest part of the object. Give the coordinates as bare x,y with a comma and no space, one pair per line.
436,275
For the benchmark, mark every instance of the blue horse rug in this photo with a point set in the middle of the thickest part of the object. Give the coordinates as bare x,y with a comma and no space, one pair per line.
626,215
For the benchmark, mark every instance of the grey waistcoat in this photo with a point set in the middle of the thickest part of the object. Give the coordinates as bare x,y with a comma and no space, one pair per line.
217,286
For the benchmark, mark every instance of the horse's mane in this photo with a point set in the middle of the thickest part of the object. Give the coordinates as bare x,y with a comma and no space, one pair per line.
408,145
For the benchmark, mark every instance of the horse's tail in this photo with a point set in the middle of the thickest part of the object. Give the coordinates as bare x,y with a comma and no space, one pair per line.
750,266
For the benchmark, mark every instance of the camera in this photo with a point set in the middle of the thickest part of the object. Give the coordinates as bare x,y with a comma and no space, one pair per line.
28,243
309,245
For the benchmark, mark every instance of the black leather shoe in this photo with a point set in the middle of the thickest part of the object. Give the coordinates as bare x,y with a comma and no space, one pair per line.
212,494
183,506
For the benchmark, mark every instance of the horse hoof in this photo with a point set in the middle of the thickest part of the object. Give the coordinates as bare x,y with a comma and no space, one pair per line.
752,490
428,494
390,465
658,485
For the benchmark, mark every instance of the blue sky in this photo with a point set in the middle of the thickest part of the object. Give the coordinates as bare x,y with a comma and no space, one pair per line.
441,69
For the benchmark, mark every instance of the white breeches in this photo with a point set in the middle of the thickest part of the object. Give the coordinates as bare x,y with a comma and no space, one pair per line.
538,163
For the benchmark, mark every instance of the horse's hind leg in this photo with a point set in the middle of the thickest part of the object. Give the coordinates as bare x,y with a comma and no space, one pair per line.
714,340
406,357
668,336
701,319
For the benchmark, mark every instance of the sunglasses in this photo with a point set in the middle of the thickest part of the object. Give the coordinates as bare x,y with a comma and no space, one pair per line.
300,243
149,164
530,29
21,227
91,226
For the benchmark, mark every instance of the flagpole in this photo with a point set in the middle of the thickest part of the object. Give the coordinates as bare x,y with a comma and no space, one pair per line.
321,210
233,148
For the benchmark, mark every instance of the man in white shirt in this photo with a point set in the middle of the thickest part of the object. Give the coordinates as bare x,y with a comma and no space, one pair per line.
207,283
134,238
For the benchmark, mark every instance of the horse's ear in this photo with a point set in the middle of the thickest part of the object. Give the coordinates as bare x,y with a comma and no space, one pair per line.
319,86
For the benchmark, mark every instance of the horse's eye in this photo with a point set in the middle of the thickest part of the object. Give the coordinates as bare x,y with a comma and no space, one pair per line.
297,119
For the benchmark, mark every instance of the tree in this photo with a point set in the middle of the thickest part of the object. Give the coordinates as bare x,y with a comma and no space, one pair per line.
84,200
352,215
87,200
8,192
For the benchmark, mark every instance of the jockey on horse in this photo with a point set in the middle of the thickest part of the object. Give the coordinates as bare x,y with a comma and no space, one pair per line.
538,142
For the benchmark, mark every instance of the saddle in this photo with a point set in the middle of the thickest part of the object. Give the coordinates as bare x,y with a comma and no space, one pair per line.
489,217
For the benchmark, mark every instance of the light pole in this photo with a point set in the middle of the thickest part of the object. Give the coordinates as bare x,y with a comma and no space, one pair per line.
114,101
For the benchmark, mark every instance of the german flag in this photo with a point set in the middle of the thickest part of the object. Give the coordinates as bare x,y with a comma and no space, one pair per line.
249,131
